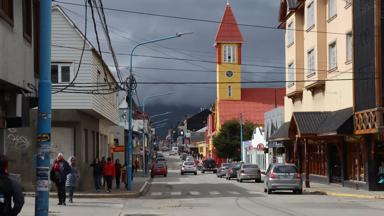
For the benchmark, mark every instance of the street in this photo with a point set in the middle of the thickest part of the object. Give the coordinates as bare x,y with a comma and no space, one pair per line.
205,194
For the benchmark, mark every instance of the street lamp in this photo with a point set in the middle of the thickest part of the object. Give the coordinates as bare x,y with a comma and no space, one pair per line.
131,85
143,135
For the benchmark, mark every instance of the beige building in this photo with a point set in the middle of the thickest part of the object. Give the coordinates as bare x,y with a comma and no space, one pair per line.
318,108
318,48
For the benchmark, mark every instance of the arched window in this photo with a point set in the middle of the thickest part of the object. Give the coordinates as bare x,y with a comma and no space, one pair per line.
230,91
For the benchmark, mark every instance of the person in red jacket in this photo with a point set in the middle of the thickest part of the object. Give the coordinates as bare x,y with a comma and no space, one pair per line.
109,172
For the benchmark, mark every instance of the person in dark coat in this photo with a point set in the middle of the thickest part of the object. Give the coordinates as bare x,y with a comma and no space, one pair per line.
118,168
103,162
97,173
59,171
11,191
72,178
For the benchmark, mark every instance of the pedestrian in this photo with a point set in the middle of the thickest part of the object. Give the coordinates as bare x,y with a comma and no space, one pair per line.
10,191
381,173
59,171
72,178
118,168
102,168
97,173
136,165
109,172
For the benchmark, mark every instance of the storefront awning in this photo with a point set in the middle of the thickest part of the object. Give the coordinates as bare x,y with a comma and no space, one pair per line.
339,122
281,134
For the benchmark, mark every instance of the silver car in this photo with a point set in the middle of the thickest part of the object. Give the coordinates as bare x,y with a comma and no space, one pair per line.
188,167
283,177
249,172
222,171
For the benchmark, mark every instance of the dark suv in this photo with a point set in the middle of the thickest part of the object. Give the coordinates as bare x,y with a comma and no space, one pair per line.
209,165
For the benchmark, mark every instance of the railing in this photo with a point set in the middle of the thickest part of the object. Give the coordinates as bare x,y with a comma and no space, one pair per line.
368,121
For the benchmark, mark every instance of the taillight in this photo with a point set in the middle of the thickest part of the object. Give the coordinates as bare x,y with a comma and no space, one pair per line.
272,176
241,171
298,175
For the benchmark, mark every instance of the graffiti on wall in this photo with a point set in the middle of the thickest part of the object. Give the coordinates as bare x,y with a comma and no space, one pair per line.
16,141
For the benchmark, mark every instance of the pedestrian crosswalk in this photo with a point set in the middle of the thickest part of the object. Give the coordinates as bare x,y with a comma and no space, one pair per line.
205,193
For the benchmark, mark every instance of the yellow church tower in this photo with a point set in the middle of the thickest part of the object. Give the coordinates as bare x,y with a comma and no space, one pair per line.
228,56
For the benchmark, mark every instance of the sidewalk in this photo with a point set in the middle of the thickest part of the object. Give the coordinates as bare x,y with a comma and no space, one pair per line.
339,191
140,185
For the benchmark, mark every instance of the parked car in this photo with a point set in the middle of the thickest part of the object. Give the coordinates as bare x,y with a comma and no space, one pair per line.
283,177
222,170
188,167
209,165
232,170
159,169
249,172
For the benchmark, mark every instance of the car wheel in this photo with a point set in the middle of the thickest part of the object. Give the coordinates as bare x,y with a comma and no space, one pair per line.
152,176
269,191
299,191
257,180
237,180
165,175
265,190
195,173
182,173
240,180
202,171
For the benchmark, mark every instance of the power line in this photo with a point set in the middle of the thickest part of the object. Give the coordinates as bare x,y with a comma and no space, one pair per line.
202,20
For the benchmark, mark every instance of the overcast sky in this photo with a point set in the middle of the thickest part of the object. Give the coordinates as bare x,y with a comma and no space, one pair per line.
262,46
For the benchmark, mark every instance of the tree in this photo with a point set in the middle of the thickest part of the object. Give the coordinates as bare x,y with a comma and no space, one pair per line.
227,141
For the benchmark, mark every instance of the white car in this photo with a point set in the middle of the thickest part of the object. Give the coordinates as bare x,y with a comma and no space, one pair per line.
188,167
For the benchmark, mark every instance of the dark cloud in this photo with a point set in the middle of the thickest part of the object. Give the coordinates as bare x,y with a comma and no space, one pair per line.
262,46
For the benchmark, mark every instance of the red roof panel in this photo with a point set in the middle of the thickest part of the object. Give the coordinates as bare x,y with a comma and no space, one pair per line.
228,30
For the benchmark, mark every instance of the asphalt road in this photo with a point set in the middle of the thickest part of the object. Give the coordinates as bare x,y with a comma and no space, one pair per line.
205,194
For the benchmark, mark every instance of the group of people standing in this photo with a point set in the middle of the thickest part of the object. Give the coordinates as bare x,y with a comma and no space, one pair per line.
104,171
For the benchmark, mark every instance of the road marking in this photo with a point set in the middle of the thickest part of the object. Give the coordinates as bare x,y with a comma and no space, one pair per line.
234,192
156,193
176,193
194,193
213,193
254,192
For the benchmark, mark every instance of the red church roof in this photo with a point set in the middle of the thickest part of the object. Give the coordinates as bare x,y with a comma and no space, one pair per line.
253,104
228,30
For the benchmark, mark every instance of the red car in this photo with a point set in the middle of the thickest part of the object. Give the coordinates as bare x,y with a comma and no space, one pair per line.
159,169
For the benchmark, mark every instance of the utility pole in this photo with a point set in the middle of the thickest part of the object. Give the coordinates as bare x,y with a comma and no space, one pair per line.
241,137
44,111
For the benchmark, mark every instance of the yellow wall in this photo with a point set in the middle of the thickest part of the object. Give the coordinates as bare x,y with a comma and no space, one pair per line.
337,94
221,69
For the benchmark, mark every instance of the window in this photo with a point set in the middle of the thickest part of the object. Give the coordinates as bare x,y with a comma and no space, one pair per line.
349,47
348,3
60,73
6,10
331,8
332,57
310,15
229,53
291,75
311,63
27,19
230,91
290,34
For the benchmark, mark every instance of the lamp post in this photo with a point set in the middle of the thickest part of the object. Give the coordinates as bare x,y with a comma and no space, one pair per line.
143,134
131,86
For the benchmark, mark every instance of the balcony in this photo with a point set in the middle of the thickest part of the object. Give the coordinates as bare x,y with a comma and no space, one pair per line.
368,121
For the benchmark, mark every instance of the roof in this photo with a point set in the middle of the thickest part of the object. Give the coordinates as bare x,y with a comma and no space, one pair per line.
287,7
253,104
338,122
281,134
198,121
229,30
307,123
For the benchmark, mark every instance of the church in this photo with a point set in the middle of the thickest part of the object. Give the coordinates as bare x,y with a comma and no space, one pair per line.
231,99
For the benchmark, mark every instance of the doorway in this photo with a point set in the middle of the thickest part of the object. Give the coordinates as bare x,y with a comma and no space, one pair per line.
334,164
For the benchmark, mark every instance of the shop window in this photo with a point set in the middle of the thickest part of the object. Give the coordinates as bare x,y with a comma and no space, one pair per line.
6,10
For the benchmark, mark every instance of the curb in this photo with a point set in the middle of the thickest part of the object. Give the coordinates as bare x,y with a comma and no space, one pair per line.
144,188
350,195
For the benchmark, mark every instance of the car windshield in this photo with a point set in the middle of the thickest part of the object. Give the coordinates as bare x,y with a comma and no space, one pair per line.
285,169
225,165
160,159
189,163
250,166
209,162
